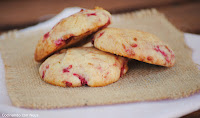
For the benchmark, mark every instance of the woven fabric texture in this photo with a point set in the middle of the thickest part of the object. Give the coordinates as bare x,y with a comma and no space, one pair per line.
143,82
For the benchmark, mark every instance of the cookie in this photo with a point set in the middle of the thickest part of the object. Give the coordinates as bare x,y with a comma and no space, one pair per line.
71,30
81,66
134,44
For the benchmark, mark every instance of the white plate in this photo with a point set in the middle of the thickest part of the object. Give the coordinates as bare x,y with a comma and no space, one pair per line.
160,109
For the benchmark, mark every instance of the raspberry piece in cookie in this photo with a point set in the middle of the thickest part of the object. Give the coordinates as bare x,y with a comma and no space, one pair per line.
71,30
134,44
83,66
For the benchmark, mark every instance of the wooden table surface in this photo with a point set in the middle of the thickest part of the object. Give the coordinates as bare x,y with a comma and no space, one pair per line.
18,14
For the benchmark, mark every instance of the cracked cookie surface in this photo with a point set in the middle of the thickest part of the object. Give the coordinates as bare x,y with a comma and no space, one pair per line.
83,66
71,30
134,44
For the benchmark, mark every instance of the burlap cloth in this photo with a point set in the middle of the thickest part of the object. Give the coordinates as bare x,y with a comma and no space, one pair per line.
143,82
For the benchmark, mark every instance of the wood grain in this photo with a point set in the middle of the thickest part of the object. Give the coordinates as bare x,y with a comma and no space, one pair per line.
28,12
184,14
195,114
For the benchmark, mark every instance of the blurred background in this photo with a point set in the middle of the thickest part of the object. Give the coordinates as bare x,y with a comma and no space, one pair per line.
18,14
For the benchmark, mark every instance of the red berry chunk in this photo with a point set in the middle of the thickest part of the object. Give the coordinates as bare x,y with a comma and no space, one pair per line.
129,51
46,36
67,69
134,45
68,84
100,34
43,74
58,42
82,79
122,70
92,14
157,48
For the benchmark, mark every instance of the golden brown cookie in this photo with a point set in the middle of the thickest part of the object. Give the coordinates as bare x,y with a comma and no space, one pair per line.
134,44
71,30
75,67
